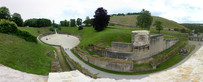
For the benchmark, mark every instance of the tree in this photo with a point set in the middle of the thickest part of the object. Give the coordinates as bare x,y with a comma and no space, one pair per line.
72,22
144,19
4,13
101,19
158,26
88,21
79,21
17,19
64,23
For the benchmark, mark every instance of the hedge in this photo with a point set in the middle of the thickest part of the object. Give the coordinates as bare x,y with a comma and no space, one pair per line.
9,27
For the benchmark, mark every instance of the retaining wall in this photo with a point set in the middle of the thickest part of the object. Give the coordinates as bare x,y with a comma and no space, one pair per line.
121,47
106,62
128,52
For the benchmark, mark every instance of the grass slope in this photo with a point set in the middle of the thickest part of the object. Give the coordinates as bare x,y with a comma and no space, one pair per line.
25,56
131,20
35,31
110,34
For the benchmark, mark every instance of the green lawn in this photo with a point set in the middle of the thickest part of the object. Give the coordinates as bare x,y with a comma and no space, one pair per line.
35,31
25,56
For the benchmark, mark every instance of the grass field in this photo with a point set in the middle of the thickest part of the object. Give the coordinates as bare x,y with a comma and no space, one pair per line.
25,56
131,20
35,31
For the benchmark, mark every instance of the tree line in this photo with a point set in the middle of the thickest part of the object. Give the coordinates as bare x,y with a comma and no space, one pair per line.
41,22
198,28
122,14
78,22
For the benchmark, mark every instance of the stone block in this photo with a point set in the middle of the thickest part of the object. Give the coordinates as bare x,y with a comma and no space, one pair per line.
140,38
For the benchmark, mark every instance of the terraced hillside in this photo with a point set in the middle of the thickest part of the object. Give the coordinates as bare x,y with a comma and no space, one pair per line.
131,20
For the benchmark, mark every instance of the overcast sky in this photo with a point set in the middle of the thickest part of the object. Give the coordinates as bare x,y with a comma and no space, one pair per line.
181,11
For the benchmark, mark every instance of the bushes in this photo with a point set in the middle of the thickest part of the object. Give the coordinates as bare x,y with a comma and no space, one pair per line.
26,35
11,28
7,27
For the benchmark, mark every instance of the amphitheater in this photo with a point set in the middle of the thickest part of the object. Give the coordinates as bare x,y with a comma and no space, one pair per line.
190,69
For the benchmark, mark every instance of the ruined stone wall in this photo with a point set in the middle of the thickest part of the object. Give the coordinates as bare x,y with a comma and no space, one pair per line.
169,43
119,55
121,47
156,46
106,62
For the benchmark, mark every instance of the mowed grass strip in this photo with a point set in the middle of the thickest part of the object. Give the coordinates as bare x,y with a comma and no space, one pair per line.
25,56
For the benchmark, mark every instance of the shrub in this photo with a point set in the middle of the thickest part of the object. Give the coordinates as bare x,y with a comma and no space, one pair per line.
7,27
26,35
51,29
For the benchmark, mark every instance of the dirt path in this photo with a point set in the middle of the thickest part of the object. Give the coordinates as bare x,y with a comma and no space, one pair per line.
62,61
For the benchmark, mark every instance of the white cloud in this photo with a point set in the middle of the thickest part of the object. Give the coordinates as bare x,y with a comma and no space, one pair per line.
177,10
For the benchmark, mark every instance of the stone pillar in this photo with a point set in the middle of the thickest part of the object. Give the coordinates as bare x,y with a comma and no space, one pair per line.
140,39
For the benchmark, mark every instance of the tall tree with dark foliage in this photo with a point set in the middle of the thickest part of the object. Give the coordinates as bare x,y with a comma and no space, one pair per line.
101,19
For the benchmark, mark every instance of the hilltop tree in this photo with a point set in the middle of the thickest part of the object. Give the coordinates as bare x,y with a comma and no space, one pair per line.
17,19
72,22
144,20
101,19
158,26
4,13
79,21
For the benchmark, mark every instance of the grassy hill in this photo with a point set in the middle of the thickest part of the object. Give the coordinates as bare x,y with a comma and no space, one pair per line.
25,56
131,20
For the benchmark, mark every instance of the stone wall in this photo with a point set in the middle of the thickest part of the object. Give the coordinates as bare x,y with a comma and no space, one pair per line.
127,51
119,55
106,62
121,47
